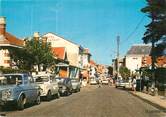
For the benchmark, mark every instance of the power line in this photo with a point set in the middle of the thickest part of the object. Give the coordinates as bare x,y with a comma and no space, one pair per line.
135,29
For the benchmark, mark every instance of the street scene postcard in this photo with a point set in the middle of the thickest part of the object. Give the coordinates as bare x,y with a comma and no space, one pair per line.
82,58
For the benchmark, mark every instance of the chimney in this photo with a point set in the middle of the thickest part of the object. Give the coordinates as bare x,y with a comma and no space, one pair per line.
44,39
36,36
2,26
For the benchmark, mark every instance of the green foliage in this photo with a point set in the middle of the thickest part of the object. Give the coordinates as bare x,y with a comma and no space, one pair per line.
125,72
156,29
160,74
33,53
110,70
41,52
10,70
22,58
146,72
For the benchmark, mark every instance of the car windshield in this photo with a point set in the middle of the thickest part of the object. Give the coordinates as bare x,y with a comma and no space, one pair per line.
11,79
42,79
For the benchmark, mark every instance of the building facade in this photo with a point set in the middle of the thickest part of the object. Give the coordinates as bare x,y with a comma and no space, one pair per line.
7,41
137,56
73,52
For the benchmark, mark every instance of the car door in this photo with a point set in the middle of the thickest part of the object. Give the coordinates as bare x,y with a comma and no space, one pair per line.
26,88
33,89
55,85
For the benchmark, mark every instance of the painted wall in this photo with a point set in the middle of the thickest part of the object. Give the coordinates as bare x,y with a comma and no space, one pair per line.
133,62
71,48
4,58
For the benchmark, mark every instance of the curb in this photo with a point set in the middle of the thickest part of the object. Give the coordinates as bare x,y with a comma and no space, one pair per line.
150,102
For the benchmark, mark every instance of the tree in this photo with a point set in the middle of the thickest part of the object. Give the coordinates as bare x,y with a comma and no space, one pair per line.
35,52
125,72
22,58
110,70
41,52
156,29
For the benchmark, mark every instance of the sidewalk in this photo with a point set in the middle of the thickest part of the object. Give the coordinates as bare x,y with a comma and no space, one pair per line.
157,101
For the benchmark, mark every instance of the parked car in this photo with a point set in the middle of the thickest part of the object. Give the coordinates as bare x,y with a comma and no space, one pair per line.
105,81
120,83
76,85
93,81
18,89
65,86
49,86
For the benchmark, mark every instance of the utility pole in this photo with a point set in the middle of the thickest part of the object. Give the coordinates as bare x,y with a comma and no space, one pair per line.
118,42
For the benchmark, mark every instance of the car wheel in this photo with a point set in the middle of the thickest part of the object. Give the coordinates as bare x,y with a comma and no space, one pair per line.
49,96
58,95
66,93
38,101
20,103
78,89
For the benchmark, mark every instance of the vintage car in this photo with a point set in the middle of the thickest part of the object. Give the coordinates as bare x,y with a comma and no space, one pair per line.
65,86
93,81
76,85
18,90
49,86
105,81
120,83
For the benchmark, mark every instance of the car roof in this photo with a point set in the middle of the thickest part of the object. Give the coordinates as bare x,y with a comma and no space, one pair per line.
16,74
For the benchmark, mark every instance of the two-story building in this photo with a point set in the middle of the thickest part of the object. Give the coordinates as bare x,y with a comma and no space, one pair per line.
7,41
73,52
137,56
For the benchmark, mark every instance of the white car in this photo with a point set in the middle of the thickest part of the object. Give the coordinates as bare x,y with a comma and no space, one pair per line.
76,85
120,83
49,86
93,81
105,81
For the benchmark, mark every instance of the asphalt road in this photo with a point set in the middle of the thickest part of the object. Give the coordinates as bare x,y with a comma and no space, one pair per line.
92,102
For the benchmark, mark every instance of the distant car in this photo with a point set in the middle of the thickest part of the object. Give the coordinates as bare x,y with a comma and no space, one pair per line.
93,81
76,85
65,86
49,86
120,83
105,81
18,90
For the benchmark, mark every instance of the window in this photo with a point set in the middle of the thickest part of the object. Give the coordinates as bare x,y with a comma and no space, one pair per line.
25,79
11,79
6,61
6,54
135,58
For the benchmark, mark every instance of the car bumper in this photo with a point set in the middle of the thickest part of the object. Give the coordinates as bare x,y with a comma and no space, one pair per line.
7,102
104,82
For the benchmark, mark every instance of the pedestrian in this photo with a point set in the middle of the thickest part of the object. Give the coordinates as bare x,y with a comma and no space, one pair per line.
100,82
134,84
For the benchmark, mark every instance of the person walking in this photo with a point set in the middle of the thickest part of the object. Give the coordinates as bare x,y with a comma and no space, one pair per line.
134,84
100,82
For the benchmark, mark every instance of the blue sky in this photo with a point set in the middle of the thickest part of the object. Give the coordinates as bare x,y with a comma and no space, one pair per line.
91,23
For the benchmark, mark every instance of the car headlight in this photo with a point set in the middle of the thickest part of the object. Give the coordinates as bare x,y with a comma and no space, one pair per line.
6,93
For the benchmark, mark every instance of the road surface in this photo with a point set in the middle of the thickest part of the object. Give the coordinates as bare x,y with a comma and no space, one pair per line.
92,102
